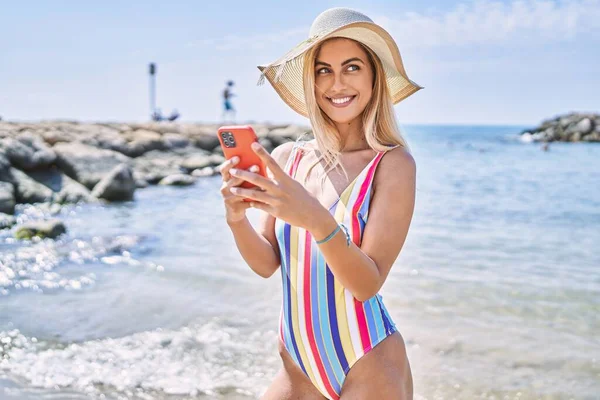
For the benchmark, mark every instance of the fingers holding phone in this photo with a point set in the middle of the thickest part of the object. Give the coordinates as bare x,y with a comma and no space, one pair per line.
226,166
236,142
235,206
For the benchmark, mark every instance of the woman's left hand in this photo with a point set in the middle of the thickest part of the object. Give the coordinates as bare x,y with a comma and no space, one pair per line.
281,196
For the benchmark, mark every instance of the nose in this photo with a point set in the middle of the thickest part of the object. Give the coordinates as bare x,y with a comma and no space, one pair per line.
338,84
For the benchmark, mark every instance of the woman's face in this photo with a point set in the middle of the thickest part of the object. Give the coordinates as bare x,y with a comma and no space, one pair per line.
343,79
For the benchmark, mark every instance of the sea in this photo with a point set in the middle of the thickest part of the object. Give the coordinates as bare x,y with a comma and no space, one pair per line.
496,291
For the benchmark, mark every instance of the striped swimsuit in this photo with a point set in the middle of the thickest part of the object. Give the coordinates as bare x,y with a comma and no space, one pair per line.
322,326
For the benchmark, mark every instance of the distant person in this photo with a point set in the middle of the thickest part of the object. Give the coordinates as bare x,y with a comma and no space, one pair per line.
335,334
174,115
228,109
157,115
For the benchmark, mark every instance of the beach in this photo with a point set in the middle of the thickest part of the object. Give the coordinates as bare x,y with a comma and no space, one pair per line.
496,291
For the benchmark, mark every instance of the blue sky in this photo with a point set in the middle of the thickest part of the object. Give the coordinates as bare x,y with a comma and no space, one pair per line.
481,62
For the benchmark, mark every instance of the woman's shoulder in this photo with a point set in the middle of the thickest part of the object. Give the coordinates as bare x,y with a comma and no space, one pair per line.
398,156
397,163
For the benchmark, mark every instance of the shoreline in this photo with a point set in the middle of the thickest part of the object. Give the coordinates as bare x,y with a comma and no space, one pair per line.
65,162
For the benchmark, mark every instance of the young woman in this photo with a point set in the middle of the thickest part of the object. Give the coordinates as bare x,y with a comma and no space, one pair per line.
335,213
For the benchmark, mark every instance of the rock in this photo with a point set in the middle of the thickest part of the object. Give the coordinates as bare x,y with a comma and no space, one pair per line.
261,130
27,189
143,141
119,127
266,143
584,126
573,127
178,180
54,208
54,136
45,229
199,161
85,153
218,151
142,134
114,142
27,153
16,152
175,140
141,183
4,162
206,171
592,137
566,121
43,155
206,142
100,136
217,159
159,127
557,133
6,221
155,165
86,164
191,130
73,192
117,185
66,189
278,136
7,198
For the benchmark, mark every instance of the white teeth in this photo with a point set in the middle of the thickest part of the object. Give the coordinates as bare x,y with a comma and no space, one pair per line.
342,100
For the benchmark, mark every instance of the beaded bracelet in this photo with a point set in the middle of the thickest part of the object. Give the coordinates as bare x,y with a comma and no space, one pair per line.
332,234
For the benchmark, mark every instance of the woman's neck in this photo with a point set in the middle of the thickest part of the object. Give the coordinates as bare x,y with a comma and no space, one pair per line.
353,137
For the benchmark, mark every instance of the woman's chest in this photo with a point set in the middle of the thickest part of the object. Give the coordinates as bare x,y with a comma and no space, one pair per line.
327,184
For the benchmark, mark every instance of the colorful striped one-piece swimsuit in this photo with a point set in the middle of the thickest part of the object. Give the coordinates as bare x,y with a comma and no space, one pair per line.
323,327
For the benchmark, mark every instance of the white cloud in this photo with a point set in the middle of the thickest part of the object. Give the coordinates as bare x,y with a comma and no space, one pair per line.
495,22
469,23
250,41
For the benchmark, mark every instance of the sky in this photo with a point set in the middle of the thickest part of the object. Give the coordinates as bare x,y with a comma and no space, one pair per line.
482,62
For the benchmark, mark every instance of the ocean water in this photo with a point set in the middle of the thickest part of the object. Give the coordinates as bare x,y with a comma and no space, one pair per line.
496,291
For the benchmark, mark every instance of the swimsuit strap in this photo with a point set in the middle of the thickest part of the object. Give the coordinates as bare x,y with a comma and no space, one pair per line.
294,157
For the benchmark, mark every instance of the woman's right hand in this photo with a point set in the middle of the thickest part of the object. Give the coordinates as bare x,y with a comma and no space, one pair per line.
235,206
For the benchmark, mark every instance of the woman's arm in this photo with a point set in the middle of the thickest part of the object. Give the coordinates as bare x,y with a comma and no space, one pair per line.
260,249
363,270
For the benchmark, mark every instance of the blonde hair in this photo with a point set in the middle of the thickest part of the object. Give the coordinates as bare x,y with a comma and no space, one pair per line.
378,119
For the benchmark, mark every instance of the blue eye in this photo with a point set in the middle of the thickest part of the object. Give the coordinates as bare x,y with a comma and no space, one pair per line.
354,66
321,70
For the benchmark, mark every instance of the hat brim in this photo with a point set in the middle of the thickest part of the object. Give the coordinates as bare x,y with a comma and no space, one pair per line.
286,73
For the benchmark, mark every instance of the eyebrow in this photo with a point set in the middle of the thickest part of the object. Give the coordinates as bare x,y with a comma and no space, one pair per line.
318,62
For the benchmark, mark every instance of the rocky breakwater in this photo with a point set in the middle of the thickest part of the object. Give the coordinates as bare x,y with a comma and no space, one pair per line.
573,127
68,162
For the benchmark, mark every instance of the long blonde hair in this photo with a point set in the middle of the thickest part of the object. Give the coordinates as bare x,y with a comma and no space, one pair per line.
378,119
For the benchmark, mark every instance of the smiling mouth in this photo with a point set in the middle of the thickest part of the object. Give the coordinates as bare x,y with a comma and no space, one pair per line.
341,101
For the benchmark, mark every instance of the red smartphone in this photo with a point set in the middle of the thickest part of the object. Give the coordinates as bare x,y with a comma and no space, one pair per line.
235,141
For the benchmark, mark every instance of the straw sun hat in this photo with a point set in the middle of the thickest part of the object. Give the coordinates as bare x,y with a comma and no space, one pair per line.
285,74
